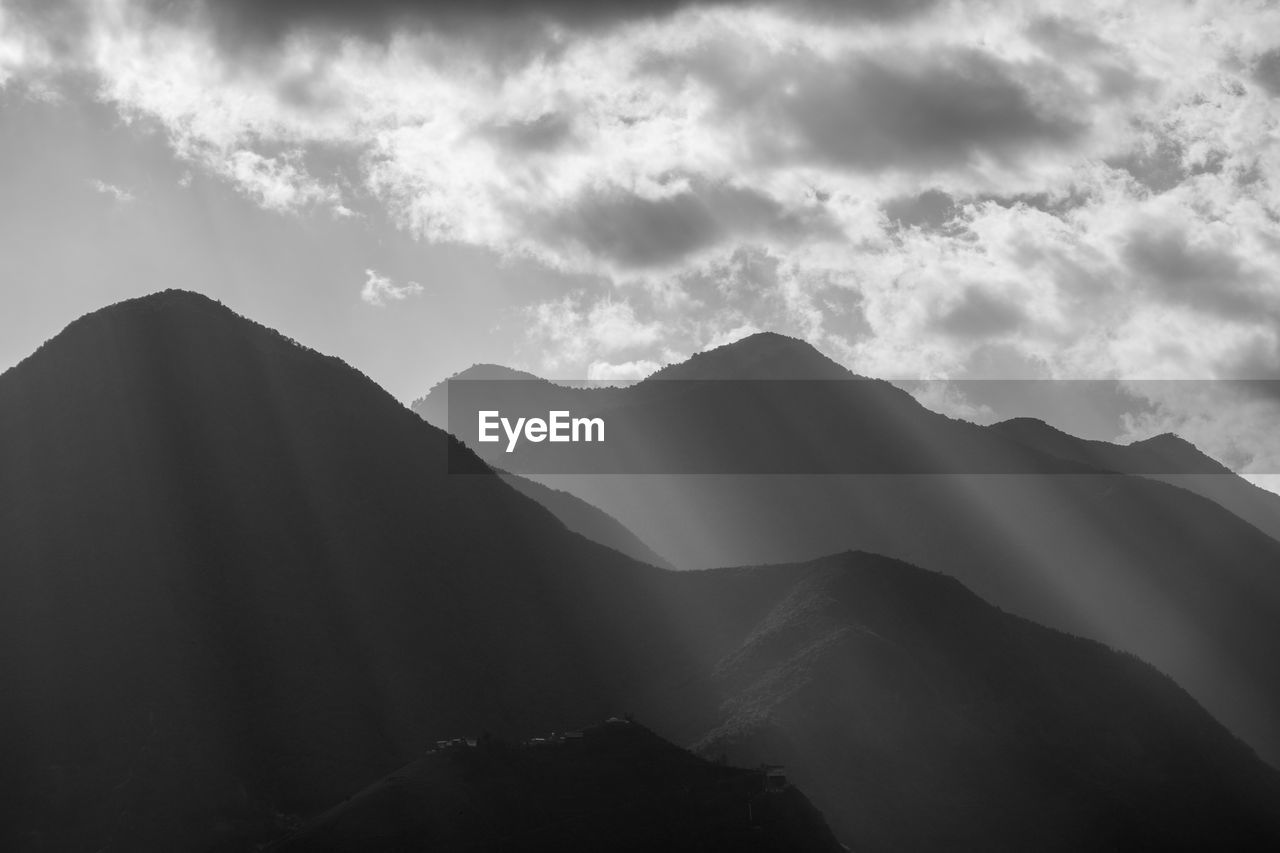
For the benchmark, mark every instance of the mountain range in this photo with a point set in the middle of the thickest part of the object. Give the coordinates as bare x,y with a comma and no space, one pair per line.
240,584
1081,536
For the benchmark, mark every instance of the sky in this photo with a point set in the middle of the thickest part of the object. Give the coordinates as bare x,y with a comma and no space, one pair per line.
921,189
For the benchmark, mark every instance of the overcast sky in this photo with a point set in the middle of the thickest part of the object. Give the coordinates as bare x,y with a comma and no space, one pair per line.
587,188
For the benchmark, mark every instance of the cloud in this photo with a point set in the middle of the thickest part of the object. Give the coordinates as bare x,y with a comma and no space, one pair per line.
928,112
1266,70
379,290
627,371
980,314
276,183
931,209
1205,277
906,107
118,194
546,133
575,329
1156,165
254,21
637,231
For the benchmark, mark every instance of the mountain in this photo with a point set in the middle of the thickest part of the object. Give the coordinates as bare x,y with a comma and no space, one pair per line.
239,584
825,464
239,579
1166,458
763,356
615,786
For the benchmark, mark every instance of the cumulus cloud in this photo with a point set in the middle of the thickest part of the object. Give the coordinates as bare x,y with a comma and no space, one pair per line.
378,290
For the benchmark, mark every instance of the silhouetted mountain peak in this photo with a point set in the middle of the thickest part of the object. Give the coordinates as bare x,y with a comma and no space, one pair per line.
764,355
163,321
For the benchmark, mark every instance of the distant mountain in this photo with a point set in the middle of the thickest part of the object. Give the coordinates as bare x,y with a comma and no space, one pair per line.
1166,458
239,583
616,787
1056,536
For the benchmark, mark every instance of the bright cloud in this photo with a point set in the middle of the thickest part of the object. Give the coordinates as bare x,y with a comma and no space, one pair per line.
379,290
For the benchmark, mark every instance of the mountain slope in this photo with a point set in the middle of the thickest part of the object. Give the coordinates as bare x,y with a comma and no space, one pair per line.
1155,570
1166,458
